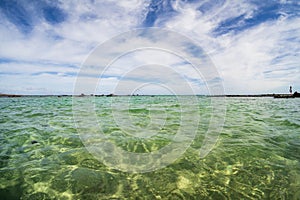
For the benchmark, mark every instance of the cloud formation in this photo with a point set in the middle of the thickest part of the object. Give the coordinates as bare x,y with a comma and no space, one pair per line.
254,45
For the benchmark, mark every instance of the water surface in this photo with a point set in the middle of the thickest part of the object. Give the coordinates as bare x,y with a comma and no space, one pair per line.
257,155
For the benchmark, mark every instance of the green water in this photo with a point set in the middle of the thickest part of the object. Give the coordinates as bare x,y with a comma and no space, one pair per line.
257,155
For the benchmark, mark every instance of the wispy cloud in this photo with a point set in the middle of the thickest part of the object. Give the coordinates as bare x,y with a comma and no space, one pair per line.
245,39
254,45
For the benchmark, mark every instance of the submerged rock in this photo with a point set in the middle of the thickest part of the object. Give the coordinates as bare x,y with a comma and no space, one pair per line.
87,181
38,196
34,142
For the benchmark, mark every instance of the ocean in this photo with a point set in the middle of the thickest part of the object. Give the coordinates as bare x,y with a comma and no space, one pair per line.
149,147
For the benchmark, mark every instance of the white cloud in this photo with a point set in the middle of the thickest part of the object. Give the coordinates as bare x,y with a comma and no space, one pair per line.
33,68
258,59
68,43
41,84
244,61
242,58
136,51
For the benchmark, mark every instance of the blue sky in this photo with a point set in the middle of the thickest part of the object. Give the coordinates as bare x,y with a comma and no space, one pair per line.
254,45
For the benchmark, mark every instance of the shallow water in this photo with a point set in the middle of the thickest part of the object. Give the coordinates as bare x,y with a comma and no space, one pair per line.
257,155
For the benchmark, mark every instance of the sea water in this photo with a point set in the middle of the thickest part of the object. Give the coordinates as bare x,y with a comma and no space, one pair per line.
256,156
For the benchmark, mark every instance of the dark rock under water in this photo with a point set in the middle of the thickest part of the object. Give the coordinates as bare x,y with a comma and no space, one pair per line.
34,142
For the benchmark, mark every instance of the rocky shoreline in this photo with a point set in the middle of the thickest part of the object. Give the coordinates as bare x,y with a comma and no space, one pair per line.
295,95
287,96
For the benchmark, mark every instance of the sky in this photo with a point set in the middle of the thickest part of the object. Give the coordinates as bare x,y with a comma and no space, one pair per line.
252,46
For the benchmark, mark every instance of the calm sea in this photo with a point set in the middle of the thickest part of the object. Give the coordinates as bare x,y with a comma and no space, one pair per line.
43,153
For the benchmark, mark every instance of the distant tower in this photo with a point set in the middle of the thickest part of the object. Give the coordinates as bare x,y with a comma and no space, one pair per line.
291,90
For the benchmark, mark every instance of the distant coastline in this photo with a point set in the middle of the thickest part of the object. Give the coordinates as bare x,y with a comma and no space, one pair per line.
112,95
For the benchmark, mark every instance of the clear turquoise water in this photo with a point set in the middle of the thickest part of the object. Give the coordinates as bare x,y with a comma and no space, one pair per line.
257,155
